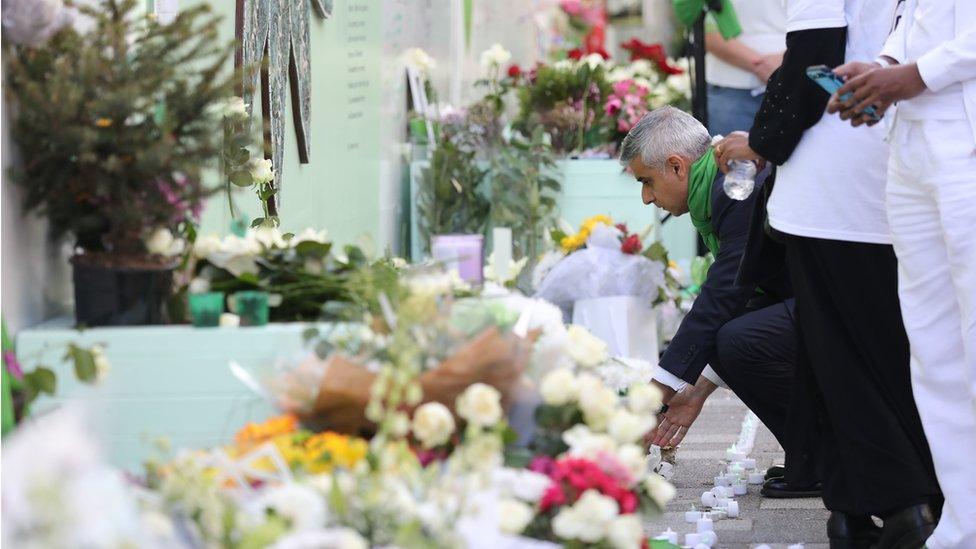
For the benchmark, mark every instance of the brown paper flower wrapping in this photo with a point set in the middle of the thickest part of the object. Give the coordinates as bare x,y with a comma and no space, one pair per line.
492,358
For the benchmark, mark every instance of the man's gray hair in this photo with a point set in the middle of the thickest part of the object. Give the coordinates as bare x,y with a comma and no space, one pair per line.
663,132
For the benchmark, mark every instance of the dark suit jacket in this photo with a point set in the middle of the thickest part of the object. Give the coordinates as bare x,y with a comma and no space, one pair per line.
722,297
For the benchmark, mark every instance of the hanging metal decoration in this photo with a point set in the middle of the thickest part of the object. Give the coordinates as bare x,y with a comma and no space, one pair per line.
274,35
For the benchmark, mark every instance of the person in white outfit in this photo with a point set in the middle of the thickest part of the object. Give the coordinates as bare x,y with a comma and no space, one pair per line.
928,66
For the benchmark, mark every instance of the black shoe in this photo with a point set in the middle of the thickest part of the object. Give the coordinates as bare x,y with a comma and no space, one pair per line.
779,488
909,528
775,472
852,532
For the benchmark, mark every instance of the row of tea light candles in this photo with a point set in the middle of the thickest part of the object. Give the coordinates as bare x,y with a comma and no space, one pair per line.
720,501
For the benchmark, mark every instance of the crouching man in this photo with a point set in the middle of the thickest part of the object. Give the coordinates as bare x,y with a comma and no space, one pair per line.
747,334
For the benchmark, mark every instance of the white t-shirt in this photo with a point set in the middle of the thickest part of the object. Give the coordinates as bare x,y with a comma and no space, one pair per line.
832,186
763,29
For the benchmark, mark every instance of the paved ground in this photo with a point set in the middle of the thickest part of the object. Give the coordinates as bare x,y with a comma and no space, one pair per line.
778,523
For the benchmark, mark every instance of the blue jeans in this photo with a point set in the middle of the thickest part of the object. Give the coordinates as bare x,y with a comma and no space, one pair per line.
731,109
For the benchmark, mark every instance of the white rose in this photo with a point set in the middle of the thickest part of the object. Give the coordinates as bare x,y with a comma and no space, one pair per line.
564,65
584,443
484,452
199,285
268,237
626,532
420,60
644,398
329,538
618,74
660,490
597,402
102,365
400,425
586,349
588,520
495,56
261,170
627,427
514,516
235,107
480,405
642,66
634,459
300,505
433,424
593,60
205,245
311,235
559,387
162,242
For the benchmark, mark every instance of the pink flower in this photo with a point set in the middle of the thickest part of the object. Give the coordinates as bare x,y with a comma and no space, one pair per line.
13,365
543,464
571,7
622,88
613,106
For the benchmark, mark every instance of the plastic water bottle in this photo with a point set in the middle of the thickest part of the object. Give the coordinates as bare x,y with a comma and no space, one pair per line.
741,180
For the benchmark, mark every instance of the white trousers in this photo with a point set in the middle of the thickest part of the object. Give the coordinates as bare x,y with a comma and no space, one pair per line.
931,197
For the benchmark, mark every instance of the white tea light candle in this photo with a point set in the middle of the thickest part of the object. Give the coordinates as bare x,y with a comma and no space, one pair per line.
704,525
229,320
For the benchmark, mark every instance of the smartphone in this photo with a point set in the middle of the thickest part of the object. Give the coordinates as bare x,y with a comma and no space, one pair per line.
828,80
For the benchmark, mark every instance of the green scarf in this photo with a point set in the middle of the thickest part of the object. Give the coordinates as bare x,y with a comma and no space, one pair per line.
700,198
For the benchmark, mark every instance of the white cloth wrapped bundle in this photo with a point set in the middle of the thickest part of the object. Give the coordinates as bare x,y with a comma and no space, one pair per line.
601,270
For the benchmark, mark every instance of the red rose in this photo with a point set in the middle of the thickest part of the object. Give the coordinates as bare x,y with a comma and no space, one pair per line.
553,497
575,53
514,71
631,245
627,501
651,52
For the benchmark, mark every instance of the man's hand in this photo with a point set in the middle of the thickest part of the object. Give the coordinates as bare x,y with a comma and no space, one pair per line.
683,410
877,87
735,146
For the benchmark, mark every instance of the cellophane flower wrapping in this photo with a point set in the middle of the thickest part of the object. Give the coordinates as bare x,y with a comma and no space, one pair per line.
601,270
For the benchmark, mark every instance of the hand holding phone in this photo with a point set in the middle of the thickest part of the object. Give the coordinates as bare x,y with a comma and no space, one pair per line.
828,80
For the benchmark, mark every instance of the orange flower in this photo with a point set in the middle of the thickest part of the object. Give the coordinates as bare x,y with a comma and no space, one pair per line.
103,122
254,434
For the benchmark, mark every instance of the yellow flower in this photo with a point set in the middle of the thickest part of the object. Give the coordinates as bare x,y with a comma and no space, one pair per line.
253,434
103,122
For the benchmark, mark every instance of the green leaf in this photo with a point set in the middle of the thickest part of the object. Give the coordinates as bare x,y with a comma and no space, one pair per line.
308,248
656,252
241,178
84,362
42,380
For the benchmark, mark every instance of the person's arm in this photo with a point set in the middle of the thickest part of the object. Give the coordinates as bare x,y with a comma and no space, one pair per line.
793,103
720,300
736,53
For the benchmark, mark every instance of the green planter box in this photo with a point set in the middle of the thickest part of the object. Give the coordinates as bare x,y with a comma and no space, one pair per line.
591,187
164,381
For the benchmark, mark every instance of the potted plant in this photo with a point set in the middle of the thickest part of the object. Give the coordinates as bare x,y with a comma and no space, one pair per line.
115,125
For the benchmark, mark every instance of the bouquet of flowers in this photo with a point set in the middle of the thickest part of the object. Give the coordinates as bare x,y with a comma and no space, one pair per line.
602,277
306,278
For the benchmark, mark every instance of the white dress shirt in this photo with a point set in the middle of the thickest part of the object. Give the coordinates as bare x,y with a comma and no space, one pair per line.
951,62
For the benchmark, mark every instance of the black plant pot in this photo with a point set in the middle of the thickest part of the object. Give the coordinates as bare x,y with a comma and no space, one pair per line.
118,296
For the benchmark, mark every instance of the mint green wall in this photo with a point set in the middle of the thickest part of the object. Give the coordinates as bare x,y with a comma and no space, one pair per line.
339,188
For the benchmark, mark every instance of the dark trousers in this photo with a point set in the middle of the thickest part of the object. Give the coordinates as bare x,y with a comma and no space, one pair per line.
855,374
756,357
